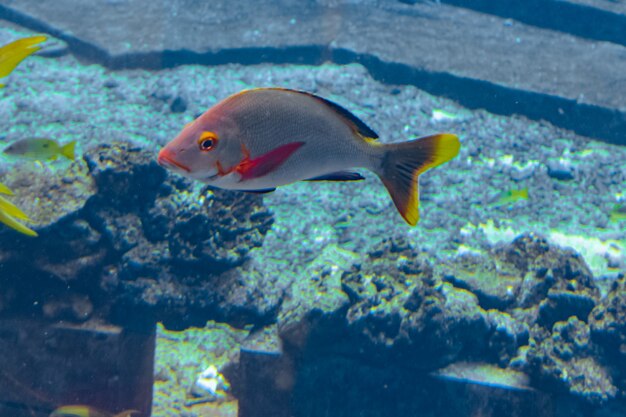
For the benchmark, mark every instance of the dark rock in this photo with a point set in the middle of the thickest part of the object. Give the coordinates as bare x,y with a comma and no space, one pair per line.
394,315
221,235
134,240
528,273
561,304
560,171
608,325
505,337
566,359
397,312
496,284
111,83
128,178
178,105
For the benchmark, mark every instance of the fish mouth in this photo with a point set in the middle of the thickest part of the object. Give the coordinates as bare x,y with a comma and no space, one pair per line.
166,160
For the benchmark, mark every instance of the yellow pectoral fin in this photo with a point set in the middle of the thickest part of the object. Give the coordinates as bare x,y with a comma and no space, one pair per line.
14,224
12,210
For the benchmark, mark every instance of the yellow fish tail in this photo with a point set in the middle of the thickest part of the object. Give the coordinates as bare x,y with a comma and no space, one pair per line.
5,190
15,52
520,194
12,210
404,162
14,224
68,149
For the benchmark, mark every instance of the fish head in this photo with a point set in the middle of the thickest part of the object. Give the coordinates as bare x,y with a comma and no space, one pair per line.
201,149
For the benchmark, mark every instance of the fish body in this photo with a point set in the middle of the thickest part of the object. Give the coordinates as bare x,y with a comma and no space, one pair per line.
40,149
13,53
439,115
511,197
87,411
259,139
618,213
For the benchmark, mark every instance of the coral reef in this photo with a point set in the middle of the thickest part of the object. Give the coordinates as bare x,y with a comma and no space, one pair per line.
523,307
130,238
405,312
608,328
531,274
565,359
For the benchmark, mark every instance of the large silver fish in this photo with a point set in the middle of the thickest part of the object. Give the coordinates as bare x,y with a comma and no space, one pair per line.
257,140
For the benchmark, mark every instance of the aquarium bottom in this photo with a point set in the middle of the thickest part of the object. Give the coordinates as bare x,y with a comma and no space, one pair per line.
44,366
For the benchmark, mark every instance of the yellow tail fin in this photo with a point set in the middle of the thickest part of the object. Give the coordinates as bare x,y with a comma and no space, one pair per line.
15,52
12,210
67,150
14,224
404,162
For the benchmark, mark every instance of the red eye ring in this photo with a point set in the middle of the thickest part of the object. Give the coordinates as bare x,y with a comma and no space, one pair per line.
207,141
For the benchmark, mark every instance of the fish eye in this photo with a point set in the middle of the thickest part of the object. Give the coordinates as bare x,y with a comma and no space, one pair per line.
207,141
206,144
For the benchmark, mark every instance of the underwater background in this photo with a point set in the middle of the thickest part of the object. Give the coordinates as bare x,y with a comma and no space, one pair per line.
147,291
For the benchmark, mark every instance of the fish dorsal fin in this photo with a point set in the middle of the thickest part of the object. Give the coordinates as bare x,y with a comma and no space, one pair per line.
357,124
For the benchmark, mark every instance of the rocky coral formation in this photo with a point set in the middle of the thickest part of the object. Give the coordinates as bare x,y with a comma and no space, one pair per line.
529,274
565,359
608,328
406,312
522,307
135,240
549,292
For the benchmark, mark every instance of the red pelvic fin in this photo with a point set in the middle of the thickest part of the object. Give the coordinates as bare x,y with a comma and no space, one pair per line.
266,163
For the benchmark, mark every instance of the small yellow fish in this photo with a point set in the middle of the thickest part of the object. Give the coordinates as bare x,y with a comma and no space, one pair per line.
40,149
618,214
87,411
13,53
439,115
511,196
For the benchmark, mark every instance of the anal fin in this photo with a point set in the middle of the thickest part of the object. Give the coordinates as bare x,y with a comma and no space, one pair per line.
262,191
338,176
